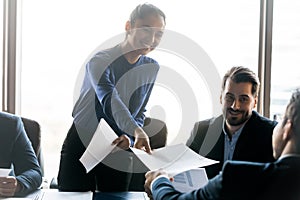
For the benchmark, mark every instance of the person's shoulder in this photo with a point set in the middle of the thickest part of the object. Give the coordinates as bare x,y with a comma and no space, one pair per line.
108,54
244,180
258,118
8,118
100,60
9,123
244,168
146,59
211,120
241,164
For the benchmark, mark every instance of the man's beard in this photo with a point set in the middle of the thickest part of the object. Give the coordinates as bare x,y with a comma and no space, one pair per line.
237,120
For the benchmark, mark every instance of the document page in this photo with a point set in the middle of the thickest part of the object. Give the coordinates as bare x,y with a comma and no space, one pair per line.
4,172
99,147
190,180
173,159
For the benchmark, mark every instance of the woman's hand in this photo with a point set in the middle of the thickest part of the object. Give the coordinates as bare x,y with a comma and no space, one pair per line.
141,140
122,142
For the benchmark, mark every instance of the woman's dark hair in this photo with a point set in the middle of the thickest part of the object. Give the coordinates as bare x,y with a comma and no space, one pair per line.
144,10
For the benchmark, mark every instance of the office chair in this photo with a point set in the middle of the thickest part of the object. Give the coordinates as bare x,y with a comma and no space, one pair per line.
157,132
33,131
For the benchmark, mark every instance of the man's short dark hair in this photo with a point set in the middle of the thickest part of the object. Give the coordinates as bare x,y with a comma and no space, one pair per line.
241,74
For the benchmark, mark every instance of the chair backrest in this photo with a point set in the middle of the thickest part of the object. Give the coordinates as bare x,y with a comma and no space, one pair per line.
33,131
157,132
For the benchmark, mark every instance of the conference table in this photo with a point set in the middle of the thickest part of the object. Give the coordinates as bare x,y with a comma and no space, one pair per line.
120,196
54,194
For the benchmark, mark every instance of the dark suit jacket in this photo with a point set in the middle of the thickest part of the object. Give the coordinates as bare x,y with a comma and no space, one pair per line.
242,181
16,151
254,143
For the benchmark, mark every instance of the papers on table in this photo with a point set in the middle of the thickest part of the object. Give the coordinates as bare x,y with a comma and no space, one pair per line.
120,196
173,159
99,147
4,172
15,198
190,180
54,194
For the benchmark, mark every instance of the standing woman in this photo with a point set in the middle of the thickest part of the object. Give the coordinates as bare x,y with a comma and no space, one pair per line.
117,85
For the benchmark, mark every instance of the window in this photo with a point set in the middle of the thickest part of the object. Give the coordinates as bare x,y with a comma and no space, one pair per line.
1,53
285,54
58,36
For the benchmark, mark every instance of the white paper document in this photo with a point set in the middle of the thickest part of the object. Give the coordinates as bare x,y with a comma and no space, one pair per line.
4,172
99,147
173,159
190,180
